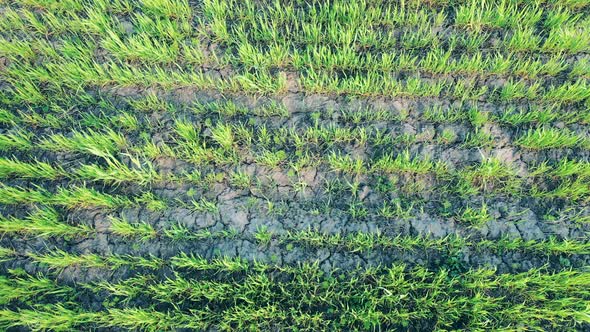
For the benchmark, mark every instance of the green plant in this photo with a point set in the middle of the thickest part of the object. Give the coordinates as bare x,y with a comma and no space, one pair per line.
141,47
475,216
141,230
271,159
345,163
205,205
240,179
403,163
263,236
223,135
543,138
19,141
92,142
116,172
225,264
175,9
43,223
151,201
447,136
34,170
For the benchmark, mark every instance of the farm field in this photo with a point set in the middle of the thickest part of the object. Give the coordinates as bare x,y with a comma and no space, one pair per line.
291,165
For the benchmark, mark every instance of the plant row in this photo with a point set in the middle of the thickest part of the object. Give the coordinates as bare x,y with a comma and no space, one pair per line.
561,31
392,297
437,61
135,117
370,84
46,223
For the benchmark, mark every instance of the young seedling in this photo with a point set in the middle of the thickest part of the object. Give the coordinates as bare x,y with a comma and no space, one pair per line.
23,289
543,138
240,179
224,264
19,140
32,170
43,223
403,163
263,236
475,216
205,205
141,230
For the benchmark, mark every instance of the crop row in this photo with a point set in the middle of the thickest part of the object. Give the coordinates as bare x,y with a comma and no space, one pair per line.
91,74
391,297
404,12
210,140
436,61
490,177
135,117
76,59
46,223
317,23
335,195
141,171
302,27
229,143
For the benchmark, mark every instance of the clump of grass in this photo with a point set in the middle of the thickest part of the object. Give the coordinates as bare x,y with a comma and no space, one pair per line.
71,198
489,173
92,142
447,136
543,138
263,236
43,223
204,205
197,263
60,260
141,47
223,135
478,138
116,172
152,202
572,190
537,116
141,319
345,163
240,179
6,254
271,159
403,163
174,9
568,93
396,210
18,140
141,230
475,216
19,288
46,317
567,167
33,170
